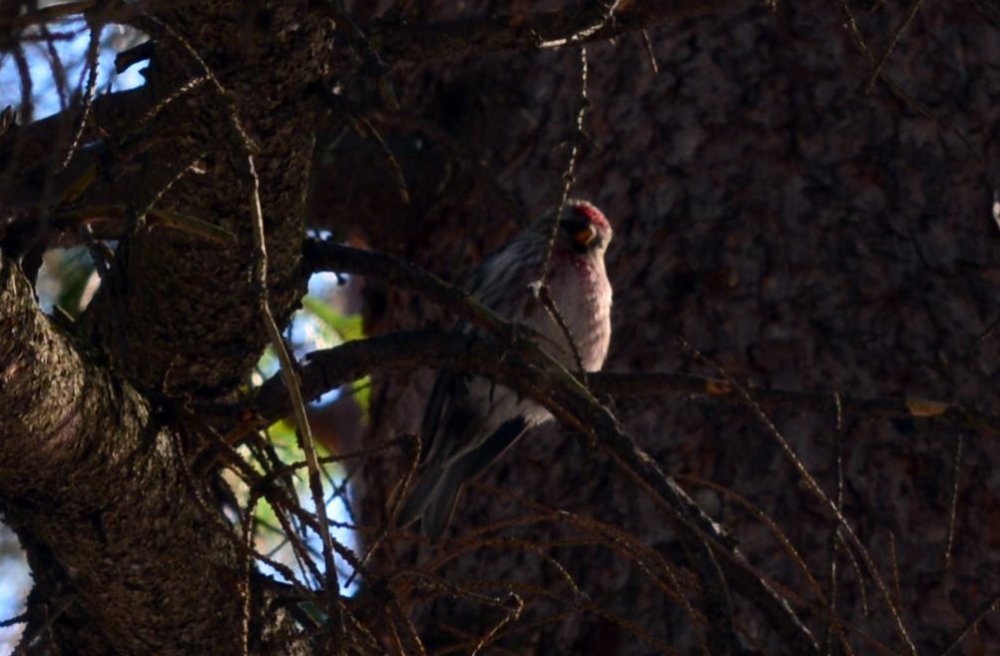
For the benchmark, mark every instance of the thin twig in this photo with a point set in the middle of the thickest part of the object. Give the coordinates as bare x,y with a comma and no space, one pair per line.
247,519
174,179
896,88
58,70
250,476
586,32
650,55
514,606
396,503
11,621
987,608
363,48
91,57
55,608
956,475
27,107
877,71
550,306
834,541
366,129
155,110
894,568
467,37
569,175
538,287
817,491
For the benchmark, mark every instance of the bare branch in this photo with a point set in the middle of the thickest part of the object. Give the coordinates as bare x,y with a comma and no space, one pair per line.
463,38
552,386
329,256
643,384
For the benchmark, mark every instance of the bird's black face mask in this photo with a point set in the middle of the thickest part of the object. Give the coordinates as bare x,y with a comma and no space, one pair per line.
582,233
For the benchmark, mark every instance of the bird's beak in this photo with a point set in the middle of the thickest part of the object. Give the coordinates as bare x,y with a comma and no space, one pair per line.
585,236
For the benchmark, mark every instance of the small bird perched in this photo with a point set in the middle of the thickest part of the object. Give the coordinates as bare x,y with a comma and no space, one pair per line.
470,421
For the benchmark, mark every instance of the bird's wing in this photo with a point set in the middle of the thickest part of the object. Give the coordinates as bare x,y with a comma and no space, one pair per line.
468,422
476,460
501,280
450,390
449,407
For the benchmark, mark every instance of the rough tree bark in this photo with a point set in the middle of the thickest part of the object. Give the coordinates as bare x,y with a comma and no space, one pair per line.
799,229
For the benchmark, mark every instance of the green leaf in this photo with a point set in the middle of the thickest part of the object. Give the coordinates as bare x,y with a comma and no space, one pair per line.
347,326
75,269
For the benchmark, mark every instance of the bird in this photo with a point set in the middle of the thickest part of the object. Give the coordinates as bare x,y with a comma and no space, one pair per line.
470,421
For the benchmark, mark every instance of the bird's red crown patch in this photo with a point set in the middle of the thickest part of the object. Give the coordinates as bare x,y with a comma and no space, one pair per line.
592,214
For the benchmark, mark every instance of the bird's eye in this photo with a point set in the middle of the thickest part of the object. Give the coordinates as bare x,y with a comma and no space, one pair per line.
585,236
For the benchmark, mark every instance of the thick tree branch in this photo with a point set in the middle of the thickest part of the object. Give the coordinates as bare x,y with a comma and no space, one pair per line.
323,371
27,156
125,558
30,154
41,387
476,36
645,384
328,256
201,334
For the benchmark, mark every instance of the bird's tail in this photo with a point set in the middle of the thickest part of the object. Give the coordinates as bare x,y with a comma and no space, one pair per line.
433,501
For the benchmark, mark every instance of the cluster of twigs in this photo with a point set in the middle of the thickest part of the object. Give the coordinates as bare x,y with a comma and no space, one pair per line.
543,532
